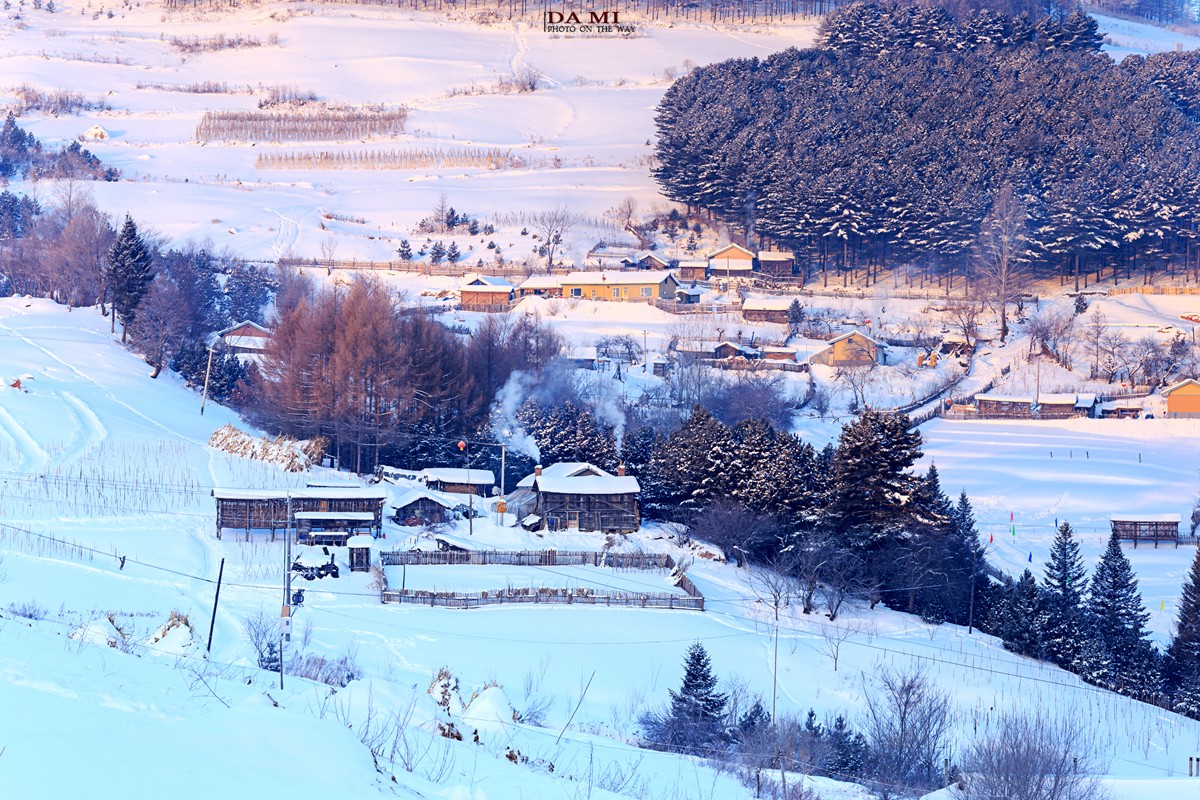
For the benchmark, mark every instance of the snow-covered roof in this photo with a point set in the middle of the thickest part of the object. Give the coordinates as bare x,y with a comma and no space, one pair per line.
642,255
361,516
487,283
589,484
361,540
359,493
750,351
1085,400
611,251
788,350
320,483
605,277
474,477
693,264
1057,398
311,557
690,290
774,255
96,132
1005,398
413,495
563,469
767,303
1144,517
730,246
542,282
866,336
253,329
1180,385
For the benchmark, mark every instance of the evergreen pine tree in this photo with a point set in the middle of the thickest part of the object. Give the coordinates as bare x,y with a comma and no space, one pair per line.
1127,660
1065,624
129,274
753,721
1018,617
846,751
1182,667
968,596
697,709
404,251
452,254
437,252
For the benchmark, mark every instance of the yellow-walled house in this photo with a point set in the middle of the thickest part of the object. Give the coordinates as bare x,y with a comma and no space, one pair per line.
1183,399
640,286
852,349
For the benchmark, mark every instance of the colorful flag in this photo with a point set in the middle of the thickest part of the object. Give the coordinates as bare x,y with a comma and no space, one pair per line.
1014,530
991,538
1010,516
1030,556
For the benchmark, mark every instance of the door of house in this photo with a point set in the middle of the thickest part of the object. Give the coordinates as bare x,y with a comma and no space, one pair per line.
573,519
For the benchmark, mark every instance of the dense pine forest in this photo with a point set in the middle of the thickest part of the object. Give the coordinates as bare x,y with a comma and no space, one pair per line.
908,136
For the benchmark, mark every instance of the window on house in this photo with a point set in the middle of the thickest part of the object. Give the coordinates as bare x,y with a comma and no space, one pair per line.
593,292
647,291
576,291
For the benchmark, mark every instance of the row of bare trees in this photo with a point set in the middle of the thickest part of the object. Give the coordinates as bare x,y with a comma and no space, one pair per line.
324,124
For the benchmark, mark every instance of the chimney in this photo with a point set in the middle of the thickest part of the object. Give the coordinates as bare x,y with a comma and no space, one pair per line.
621,470
537,471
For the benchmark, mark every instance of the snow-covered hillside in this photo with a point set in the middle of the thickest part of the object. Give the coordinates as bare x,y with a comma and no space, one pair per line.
113,468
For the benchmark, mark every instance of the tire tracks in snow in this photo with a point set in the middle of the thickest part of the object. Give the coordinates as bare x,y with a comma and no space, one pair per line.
93,429
33,455
289,232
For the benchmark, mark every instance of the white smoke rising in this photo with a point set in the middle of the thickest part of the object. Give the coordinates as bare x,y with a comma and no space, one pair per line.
504,413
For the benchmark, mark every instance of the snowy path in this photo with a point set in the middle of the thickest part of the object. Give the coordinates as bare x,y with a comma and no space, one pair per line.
33,456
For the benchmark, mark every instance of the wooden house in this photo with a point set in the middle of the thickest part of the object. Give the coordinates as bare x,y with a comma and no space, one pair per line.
1085,405
644,259
1183,399
689,295
640,286
734,350
459,481
359,547
421,507
1056,406
776,263
1120,409
342,511
852,349
779,354
605,256
767,309
1146,527
486,293
540,286
246,340
586,502
731,261
692,270
1002,406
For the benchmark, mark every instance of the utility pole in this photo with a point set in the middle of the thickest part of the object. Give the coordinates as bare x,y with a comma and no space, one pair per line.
287,572
462,448
207,371
216,599
645,352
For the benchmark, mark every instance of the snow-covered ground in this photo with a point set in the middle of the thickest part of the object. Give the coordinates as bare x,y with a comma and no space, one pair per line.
583,136
111,464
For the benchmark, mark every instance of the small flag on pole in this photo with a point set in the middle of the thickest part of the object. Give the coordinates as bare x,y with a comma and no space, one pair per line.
1014,530
1162,605
1056,522
1010,516
991,538
1030,556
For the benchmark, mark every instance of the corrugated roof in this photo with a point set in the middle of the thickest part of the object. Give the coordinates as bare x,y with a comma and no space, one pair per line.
590,484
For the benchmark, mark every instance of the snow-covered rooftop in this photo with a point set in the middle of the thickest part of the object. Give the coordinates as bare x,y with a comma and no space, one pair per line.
603,277
474,477
563,469
360,493
590,484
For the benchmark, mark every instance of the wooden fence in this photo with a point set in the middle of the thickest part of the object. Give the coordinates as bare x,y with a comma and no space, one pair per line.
458,270
671,307
1155,290
694,601
544,597
527,558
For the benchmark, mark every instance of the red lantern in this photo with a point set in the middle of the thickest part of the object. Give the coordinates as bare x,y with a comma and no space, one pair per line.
462,445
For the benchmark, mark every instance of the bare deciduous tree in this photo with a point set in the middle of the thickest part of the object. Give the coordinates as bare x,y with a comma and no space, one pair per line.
907,724
964,318
553,226
1002,252
1033,757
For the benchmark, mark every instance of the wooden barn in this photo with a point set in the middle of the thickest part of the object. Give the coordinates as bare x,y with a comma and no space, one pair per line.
776,263
1003,406
1146,527
1057,406
692,270
459,481
314,510
644,259
767,309
779,354
734,350
246,340
359,547
1183,399
486,293
421,507
606,503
